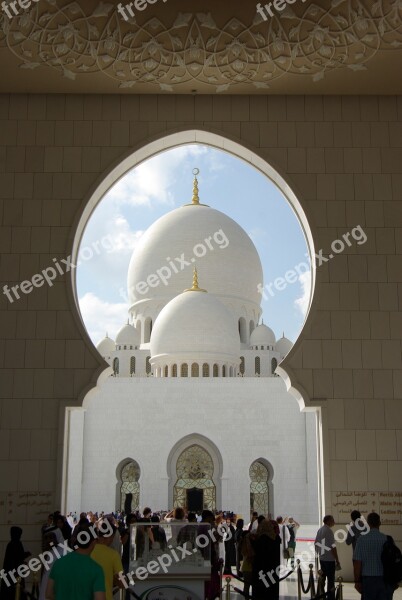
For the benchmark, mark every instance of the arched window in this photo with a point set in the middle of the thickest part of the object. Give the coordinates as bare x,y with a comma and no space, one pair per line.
259,490
148,365
132,365
184,370
243,330
174,371
257,365
166,371
195,370
274,364
147,330
242,365
115,366
205,370
215,370
230,371
224,371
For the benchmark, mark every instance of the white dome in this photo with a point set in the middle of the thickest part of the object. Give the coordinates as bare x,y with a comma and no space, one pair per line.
262,336
106,346
283,346
230,267
128,336
195,326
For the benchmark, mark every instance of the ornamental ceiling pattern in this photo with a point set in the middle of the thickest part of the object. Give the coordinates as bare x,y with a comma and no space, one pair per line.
173,51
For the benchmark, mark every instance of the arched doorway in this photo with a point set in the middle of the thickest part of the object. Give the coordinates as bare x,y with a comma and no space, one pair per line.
130,487
194,487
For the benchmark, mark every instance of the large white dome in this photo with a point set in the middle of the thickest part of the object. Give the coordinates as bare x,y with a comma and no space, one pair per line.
195,326
283,346
230,266
106,346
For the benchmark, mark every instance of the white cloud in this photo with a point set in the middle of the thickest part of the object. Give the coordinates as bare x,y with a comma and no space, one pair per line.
102,317
302,303
149,182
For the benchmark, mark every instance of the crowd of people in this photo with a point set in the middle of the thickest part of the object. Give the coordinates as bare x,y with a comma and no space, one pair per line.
259,552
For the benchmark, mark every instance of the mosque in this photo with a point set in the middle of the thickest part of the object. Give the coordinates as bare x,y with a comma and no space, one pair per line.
190,412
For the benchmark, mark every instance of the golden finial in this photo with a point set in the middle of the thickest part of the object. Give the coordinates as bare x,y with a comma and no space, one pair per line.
195,287
196,199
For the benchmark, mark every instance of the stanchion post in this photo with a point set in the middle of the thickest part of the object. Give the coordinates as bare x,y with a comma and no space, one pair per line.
18,589
220,580
311,581
299,590
227,588
340,588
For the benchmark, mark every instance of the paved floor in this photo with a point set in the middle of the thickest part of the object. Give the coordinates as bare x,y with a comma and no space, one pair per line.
288,591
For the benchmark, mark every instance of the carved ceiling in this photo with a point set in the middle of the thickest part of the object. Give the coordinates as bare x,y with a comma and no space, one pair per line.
202,46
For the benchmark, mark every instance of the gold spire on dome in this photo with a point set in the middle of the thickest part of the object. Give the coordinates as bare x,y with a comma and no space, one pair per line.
195,287
195,199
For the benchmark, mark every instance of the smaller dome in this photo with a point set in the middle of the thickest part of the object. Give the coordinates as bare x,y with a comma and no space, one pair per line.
262,336
128,336
283,346
106,346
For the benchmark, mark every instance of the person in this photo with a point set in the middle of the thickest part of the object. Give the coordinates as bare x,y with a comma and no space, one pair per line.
62,524
285,538
355,529
247,566
107,557
252,526
367,564
238,537
126,541
266,562
292,526
326,549
14,556
213,586
51,539
188,533
177,520
158,533
77,576
230,548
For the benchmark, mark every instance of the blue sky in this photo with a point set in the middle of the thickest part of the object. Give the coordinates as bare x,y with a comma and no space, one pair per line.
159,185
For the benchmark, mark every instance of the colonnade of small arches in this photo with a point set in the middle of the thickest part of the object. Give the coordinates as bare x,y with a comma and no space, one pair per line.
196,369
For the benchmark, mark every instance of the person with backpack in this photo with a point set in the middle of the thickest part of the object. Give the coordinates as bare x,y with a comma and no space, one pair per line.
376,563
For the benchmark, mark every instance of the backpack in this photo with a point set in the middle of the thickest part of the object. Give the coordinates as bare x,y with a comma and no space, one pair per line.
391,558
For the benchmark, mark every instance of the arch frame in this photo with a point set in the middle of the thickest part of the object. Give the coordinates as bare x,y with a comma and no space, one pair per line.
119,468
207,445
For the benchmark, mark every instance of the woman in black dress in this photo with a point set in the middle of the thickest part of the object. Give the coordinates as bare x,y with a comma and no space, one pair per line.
266,545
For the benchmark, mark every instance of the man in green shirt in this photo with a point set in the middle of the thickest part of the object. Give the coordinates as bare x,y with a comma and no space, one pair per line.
77,576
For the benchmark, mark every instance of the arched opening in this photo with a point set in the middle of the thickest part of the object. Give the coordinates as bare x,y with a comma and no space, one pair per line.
148,367
215,370
195,370
166,371
243,330
132,365
274,364
147,330
257,365
195,487
252,159
242,365
260,483
184,370
115,367
130,487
